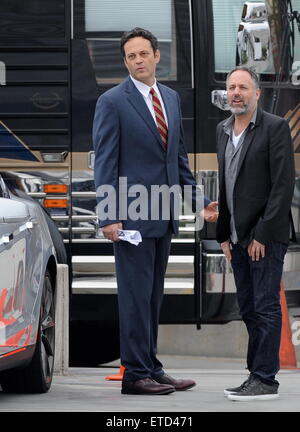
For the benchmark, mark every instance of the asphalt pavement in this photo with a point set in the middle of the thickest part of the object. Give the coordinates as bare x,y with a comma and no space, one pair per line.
87,390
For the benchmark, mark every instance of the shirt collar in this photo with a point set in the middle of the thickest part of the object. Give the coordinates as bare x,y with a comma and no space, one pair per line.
253,119
144,88
227,126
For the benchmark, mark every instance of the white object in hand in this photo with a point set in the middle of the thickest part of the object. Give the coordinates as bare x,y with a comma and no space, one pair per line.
132,236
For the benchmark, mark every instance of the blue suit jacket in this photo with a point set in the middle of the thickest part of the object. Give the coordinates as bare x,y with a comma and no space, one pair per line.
127,144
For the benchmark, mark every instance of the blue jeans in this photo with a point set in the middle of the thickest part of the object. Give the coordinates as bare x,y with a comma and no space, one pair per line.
258,293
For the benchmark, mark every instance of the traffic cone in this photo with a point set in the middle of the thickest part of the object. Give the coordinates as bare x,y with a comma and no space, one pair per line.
287,353
116,377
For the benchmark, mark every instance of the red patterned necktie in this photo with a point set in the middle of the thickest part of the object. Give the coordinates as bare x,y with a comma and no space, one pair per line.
160,118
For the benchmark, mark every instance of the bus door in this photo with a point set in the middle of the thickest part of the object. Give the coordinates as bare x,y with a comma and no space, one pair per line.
266,36
97,65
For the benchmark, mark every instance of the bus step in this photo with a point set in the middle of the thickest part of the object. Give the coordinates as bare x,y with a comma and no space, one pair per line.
105,264
108,285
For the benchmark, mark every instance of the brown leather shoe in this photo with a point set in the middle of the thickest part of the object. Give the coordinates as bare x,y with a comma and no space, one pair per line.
179,384
146,386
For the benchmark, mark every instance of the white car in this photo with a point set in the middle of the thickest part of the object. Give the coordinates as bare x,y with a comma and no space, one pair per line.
28,269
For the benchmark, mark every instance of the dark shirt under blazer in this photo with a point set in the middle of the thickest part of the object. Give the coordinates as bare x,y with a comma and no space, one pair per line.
232,156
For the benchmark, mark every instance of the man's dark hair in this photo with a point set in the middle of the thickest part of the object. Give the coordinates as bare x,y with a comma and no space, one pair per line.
254,76
138,32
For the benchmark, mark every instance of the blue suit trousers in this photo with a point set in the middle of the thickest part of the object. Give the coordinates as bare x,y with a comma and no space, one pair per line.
140,277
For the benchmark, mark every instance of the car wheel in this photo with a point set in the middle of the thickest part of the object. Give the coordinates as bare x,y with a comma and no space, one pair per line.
36,377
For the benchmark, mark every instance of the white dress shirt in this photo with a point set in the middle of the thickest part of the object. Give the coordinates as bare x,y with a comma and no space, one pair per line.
144,89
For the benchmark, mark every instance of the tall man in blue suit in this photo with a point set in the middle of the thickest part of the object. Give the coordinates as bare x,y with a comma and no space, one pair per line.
138,136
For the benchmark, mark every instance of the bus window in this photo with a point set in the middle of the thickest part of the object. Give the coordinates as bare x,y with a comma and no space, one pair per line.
27,20
101,24
227,20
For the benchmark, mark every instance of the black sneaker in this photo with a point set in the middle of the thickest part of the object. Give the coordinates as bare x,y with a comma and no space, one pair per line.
237,389
255,390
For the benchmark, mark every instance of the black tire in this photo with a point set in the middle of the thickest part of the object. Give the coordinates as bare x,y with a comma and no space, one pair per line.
93,343
36,377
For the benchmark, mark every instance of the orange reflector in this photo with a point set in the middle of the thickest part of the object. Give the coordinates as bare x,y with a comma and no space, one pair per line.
55,188
55,203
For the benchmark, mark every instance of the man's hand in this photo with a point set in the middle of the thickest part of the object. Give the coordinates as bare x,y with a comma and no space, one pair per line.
226,249
210,212
256,250
111,231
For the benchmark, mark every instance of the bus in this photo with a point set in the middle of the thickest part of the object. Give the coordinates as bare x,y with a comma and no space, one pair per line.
57,57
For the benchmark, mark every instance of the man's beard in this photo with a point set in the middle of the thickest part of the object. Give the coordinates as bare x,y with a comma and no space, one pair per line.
239,110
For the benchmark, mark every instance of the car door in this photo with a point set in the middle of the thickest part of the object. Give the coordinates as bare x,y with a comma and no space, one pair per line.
14,314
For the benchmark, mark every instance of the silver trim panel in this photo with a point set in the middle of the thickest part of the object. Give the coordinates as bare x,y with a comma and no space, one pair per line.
109,286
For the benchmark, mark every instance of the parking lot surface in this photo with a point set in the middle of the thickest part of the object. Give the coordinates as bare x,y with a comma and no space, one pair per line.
87,390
